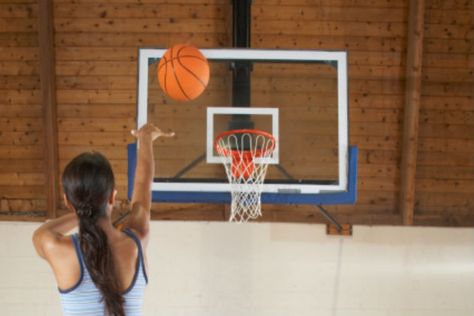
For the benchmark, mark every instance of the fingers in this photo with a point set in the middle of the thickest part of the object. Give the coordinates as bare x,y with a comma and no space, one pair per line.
151,130
167,134
161,133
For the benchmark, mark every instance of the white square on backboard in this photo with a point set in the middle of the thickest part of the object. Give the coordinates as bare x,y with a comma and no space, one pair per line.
212,112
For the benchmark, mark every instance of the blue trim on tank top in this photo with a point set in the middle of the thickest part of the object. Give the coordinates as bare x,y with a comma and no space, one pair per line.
79,257
132,235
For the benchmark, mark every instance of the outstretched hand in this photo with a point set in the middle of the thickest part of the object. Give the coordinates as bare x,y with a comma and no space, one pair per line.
150,130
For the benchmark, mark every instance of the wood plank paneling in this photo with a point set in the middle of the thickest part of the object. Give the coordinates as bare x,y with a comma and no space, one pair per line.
327,13
444,45
204,2
96,50
20,10
138,25
20,110
25,25
16,68
353,43
19,206
18,39
96,46
19,179
95,96
24,165
446,176
19,138
170,11
135,40
376,51
338,3
22,180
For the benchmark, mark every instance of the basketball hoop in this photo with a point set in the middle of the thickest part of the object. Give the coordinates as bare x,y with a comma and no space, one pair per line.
245,154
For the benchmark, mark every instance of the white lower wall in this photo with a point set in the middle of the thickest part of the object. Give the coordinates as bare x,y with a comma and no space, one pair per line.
272,269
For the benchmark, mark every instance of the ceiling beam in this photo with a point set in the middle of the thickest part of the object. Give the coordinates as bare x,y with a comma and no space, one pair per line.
48,102
412,110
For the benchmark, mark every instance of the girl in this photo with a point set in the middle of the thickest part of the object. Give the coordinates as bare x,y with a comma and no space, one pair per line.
101,270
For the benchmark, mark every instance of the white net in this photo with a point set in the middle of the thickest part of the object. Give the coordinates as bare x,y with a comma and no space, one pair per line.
245,156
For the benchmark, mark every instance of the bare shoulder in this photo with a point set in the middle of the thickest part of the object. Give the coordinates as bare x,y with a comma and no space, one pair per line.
58,248
61,255
59,251
49,245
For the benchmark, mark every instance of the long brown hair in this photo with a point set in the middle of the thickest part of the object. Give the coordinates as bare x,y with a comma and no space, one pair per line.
88,182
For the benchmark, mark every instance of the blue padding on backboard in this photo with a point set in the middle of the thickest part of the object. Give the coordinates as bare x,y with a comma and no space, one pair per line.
132,163
347,197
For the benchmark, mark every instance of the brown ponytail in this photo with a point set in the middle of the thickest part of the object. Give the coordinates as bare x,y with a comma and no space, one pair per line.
88,182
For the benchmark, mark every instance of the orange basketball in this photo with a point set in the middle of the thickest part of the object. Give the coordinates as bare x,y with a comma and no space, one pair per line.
183,72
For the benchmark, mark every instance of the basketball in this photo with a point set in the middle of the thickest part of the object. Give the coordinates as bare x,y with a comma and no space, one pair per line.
183,72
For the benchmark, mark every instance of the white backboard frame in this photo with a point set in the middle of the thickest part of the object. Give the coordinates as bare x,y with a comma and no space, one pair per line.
339,57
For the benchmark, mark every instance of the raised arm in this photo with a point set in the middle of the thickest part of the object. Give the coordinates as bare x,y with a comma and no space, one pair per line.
51,233
139,219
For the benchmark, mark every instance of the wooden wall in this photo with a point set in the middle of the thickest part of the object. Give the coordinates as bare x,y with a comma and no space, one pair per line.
445,174
96,48
374,33
21,131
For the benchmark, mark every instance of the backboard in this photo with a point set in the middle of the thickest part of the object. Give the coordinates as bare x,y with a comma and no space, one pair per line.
300,97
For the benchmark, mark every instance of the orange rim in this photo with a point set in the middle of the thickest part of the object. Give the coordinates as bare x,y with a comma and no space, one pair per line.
229,153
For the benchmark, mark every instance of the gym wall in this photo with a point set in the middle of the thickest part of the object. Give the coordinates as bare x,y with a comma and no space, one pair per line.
96,46
276,269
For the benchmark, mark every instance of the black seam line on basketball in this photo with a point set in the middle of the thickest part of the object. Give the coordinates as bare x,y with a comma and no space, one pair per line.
192,73
177,57
176,77
178,54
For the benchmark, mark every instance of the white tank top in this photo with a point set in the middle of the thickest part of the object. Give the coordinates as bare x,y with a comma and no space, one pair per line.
84,298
